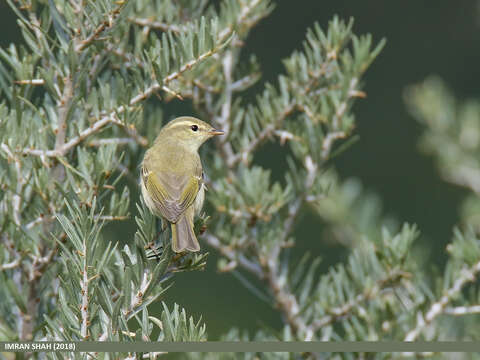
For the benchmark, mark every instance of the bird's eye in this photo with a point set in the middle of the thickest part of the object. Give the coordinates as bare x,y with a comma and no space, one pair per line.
194,127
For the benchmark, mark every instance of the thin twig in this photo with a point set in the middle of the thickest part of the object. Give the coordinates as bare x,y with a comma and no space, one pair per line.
108,141
342,107
267,132
172,92
129,60
137,299
223,121
112,218
157,25
273,127
156,86
242,155
232,255
42,219
328,142
11,265
93,129
245,82
108,23
342,311
153,355
30,82
38,220
96,127
466,275
286,300
133,133
84,292
16,198
39,264
63,110
242,16
462,310
204,87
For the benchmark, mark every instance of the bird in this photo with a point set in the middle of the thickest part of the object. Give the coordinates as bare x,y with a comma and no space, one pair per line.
172,179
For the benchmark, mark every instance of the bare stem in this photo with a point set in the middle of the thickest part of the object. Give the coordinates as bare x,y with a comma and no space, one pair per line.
242,16
328,142
267,132
438,308
30,82
286,300
462,310
84,305
28,319
232,255
112,218
223,121
117,141
107,23
343,311
138,296
157,25
63,109
11,265
16,198
96,127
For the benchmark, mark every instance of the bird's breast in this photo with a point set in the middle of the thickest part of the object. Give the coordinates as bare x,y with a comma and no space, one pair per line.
175,160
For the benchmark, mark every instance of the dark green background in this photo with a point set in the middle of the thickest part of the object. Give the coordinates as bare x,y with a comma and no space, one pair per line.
424,38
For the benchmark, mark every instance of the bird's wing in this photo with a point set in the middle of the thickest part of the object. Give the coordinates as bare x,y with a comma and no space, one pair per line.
171,194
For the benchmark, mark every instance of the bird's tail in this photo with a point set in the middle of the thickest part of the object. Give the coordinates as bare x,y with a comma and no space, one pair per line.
183,236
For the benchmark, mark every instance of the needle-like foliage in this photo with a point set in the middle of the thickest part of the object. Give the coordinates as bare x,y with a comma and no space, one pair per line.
85,93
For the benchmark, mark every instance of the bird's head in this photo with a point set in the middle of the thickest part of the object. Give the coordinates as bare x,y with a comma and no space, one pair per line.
189,131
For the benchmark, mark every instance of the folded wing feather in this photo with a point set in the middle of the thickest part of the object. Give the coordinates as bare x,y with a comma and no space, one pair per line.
172,194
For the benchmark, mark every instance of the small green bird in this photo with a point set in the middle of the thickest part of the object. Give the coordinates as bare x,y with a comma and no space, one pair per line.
172,177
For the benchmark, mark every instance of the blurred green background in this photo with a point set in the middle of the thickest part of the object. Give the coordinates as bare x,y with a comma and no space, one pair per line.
423,38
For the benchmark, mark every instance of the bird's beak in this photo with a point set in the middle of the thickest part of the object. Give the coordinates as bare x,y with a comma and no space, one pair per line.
216,132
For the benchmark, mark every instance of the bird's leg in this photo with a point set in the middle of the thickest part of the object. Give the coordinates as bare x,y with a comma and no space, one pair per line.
153,251
178,256
156,251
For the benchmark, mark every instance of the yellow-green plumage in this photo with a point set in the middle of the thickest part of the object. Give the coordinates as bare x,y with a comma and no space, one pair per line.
171,179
